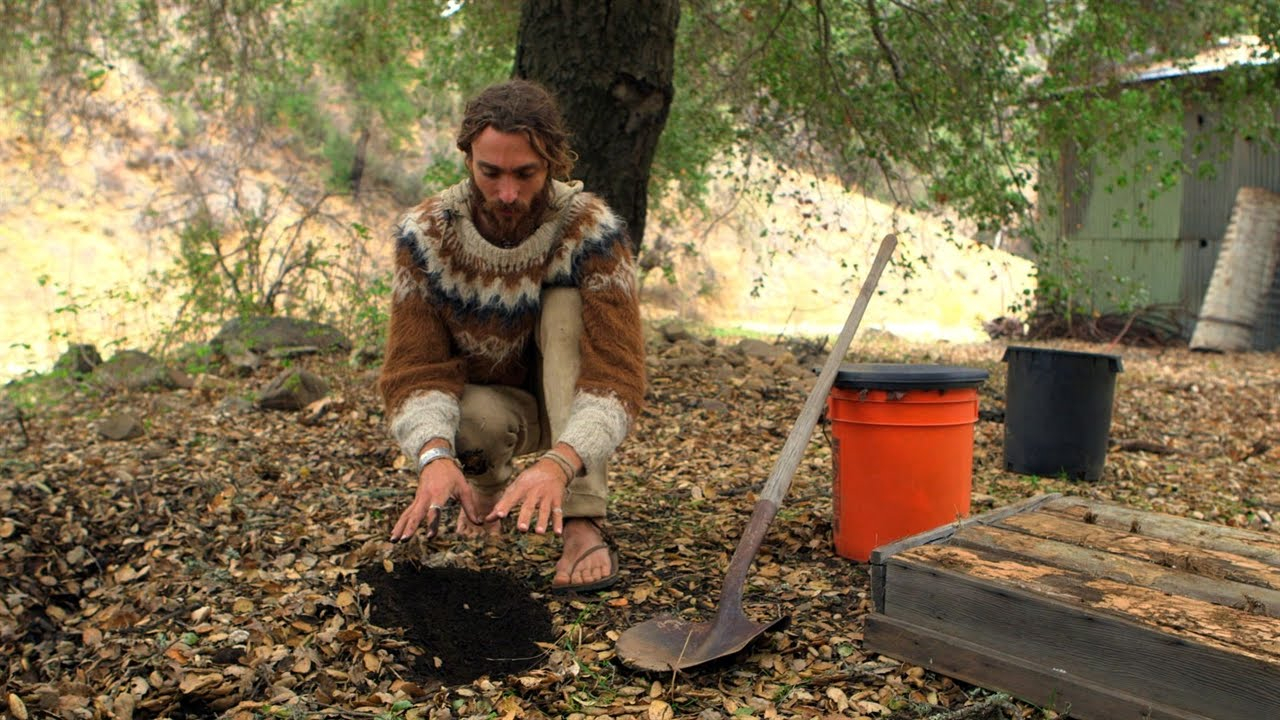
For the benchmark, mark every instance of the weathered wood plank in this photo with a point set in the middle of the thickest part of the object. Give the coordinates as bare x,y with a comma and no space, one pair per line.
882,553
1210,563
1096,630
1262,547
1122,569
1232,630
1029,680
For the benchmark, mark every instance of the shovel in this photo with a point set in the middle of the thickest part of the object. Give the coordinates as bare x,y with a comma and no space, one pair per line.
667,643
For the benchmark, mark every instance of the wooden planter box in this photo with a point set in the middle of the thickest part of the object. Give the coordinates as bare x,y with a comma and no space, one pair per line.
1090,609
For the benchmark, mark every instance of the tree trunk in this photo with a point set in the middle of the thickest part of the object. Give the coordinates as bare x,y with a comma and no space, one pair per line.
357,163
610,64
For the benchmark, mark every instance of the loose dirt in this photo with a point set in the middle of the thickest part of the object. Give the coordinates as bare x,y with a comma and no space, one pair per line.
470,623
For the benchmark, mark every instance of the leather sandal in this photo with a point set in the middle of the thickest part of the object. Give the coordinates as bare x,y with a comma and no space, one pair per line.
605,582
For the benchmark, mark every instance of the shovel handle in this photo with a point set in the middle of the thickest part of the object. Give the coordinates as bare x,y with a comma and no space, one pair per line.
789,459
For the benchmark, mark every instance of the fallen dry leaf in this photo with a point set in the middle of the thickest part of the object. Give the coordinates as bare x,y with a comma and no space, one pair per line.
17,708
660,710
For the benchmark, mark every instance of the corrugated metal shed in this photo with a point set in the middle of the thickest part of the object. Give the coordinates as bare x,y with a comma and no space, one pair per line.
1124,233
1205,210
1174,253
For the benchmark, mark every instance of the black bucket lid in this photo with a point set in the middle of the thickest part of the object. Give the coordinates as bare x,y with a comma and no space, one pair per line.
892,376
1113,361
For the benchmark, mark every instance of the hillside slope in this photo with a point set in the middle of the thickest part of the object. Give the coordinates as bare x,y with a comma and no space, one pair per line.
85,236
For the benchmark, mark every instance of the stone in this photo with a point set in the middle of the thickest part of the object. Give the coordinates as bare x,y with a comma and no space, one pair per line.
121,426
235,406
293,389
243,362
674,331
262,334
287,352
713,405
136,370
79,359
759,349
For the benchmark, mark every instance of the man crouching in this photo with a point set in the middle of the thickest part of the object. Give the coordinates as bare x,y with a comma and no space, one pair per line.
515,329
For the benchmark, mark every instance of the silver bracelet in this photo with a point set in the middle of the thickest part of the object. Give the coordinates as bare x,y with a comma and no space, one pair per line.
436,453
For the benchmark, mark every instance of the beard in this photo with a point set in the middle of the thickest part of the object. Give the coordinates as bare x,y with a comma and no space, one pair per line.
508,224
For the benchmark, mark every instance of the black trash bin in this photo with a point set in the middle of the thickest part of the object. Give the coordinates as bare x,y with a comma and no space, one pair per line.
1057,417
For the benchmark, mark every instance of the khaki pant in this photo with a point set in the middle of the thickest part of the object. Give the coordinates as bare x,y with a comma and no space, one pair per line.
501,423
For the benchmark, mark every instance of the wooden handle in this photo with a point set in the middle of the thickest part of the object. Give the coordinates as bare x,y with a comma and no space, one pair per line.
798,440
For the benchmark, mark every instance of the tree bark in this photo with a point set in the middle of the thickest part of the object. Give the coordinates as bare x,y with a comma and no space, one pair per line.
357,163
610,64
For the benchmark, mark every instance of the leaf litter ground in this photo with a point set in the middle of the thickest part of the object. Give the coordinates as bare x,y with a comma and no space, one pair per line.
234,562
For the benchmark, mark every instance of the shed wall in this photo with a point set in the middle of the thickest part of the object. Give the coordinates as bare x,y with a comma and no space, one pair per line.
1173,252
1207,200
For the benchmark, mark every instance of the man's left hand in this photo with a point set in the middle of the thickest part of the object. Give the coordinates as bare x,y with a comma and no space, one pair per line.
538,490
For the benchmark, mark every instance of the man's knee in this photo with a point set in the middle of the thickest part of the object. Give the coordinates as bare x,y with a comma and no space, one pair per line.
495,427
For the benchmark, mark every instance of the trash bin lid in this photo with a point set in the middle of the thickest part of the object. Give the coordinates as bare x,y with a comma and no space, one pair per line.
1113,361
894,376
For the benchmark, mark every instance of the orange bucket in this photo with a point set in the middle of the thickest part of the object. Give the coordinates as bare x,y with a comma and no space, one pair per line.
902,442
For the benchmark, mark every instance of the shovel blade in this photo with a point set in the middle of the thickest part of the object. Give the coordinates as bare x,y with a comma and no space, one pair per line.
668,643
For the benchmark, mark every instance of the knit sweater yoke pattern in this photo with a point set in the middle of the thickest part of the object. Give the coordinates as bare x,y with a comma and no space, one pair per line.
465,311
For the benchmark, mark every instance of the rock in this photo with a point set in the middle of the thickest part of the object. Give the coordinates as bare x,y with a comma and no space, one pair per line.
756,383
293,389
121,426
262,334
678,362
235,406
243,362
674,331
78,360
694,348
793,371
292,351
685,353
759,349
212,385
713,405
136,370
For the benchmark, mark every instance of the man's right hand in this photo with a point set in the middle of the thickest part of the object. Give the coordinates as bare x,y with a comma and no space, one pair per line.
439,482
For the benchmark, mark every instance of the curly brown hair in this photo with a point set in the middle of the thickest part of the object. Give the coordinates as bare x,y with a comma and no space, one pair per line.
521,106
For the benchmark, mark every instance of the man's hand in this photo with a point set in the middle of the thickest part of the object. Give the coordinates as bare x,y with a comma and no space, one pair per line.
439,482
538,490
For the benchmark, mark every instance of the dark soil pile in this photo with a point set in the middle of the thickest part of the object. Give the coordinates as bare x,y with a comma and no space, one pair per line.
469,623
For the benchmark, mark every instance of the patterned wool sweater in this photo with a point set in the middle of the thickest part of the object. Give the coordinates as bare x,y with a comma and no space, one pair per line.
465,311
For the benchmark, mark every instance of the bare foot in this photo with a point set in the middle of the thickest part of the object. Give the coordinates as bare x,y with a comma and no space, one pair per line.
484,505
582,542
